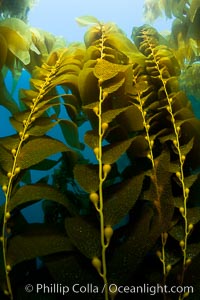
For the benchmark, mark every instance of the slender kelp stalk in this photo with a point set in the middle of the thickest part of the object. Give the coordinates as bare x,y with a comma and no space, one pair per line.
29,119
180,173
185,190
140,99
97,199
165,73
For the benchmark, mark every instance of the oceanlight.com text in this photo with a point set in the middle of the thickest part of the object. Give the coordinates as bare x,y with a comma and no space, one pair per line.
58,288
150,289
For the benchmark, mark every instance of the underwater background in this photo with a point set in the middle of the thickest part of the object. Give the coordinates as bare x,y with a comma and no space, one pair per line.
99,149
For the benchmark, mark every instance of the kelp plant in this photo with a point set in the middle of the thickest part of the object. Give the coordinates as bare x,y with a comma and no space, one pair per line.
184,37
128,213
15,9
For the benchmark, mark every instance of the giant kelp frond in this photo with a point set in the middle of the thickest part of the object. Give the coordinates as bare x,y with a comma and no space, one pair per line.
117,47
172,107
16,45
18,39
148,97
46,43
22,48
17,50
43,95
107,73
164,72
30,145
116,52
160,64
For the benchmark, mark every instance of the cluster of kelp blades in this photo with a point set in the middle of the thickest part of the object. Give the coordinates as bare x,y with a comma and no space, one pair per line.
129,214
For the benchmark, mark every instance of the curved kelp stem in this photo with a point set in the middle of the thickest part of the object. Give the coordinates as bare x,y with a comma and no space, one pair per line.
159,70
185,190
163,105
141,96
179,174
24,126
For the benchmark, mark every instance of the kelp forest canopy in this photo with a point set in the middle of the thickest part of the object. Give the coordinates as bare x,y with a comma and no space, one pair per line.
129,212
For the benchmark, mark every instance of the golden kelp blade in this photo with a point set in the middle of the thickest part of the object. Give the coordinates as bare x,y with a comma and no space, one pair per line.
87,21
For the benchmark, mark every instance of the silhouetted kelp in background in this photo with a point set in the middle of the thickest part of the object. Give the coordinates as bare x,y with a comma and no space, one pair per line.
16,9
130,94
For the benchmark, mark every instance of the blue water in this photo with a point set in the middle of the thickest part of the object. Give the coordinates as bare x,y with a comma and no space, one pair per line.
33,213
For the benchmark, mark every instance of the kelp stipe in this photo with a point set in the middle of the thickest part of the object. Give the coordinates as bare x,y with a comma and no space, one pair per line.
14,168
106,232
142,95
98,199
145,98
108,76
142,92
119,116
160,69
21,151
